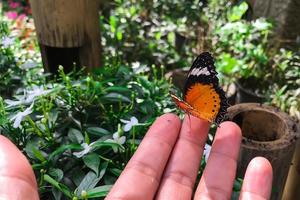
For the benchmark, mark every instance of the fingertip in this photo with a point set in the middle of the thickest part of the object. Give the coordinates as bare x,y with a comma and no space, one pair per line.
14,161
230,130
261,165
259,173
228,134
170,118
232,127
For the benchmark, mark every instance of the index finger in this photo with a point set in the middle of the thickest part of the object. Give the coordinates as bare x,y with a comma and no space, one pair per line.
181,172
141,177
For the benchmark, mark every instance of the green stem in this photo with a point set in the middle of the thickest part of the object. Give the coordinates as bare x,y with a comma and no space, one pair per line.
133,139
37,130
106,159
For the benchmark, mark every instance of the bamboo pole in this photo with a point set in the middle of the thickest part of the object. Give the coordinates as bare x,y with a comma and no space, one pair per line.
266,132
68,32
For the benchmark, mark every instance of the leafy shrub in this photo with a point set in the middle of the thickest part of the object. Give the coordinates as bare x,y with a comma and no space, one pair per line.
158,32
80,131
9,73
242,46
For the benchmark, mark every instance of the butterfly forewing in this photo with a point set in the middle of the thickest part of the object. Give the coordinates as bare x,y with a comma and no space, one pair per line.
203,97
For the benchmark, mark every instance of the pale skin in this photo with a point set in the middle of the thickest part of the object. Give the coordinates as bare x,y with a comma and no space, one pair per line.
165,166
166,163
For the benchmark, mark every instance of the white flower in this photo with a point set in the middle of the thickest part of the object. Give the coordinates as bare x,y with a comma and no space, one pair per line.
20,116
120,140
261,24
206,151
129,124
28,97
28,65
37,91
12,103
7,41
86,149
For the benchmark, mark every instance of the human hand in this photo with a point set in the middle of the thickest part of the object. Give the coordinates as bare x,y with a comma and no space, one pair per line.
166,164
17,180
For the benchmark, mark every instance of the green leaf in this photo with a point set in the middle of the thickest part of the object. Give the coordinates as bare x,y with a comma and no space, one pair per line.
145,82
119,35
237,184
56,193
91,179
132,10
92,161
116,97
237,12
108,143
117,89
113,23
38,154
75,136
64,189
97,131
100,191
86,138
171,38
116,171
103,168
64,148
56,173
53,115
226,63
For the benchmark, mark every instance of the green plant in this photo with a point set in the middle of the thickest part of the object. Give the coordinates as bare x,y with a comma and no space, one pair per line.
80,131
245,55
20,62
286,90
158,32
242,47
9,73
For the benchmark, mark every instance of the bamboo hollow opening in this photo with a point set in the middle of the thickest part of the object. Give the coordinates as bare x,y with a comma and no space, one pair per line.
267,132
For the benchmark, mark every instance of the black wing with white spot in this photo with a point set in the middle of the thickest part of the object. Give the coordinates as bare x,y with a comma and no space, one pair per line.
203,71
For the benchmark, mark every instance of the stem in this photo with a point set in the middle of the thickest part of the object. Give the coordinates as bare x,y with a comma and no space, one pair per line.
133,139
106,159
31,122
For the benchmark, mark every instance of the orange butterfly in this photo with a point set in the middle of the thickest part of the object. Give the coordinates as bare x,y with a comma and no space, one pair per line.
203,97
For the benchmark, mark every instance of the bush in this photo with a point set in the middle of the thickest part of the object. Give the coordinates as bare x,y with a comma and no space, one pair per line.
80,131
158,32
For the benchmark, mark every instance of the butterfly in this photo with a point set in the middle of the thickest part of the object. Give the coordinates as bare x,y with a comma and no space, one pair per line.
202,95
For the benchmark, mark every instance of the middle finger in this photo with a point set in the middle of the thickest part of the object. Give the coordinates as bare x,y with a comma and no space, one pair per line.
181,171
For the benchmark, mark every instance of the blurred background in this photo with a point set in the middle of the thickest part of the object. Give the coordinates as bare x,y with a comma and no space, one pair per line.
81,82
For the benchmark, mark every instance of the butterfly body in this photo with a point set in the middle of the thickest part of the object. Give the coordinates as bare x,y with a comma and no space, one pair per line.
203,97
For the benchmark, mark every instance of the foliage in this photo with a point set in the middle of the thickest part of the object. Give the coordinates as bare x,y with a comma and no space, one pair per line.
286,91
18,54
245,55
73,130
242,46
9,74
156,32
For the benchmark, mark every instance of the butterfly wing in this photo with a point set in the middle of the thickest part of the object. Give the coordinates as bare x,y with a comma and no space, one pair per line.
202,91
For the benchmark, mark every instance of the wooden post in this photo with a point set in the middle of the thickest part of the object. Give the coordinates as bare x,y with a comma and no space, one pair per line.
291,189
68,32
269,133
89,53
